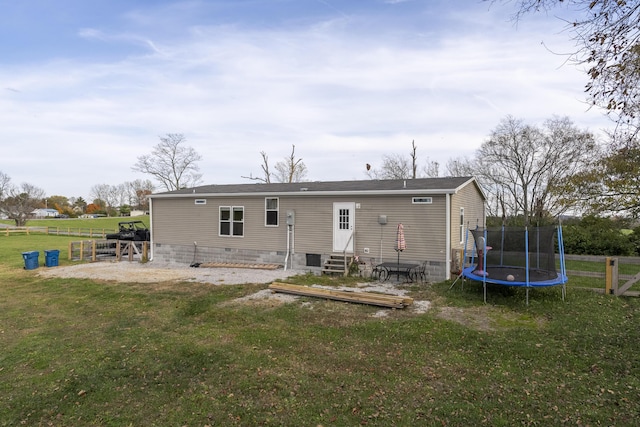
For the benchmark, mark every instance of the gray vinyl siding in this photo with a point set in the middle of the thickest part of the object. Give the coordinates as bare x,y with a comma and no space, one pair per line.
177,222
181,221
424,228
472,201
313,232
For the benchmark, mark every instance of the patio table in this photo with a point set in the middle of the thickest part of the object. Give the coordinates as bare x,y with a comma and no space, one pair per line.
388,269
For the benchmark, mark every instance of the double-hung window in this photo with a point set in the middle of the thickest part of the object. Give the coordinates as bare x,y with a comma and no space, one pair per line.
271,209
232,221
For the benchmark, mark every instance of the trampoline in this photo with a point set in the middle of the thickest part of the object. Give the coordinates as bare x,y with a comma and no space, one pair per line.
516,256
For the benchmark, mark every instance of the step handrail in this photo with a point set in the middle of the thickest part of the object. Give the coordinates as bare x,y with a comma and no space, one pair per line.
344,251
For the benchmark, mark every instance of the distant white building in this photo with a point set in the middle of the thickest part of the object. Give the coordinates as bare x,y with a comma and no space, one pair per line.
45,213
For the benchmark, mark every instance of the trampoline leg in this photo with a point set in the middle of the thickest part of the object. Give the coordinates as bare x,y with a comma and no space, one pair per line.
527,295
484,286
456,281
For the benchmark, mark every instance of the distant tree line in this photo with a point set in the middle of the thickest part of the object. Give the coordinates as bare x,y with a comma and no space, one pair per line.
593,235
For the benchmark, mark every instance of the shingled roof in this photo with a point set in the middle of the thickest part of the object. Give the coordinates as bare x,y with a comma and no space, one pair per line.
447,185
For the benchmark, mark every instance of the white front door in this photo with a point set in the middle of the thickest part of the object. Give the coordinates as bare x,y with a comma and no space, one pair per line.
343,226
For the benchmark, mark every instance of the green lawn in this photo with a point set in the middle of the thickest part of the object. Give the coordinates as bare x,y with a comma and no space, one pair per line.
92,353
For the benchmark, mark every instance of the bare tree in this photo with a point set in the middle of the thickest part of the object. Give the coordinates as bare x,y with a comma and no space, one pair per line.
460,166
431,169
397,166
290,169
414,160
113,196
394,166
138,192
5,181
266,178
522,167
101,192
17,202
171,163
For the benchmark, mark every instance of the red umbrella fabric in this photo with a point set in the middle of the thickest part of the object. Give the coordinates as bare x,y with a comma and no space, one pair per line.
401,243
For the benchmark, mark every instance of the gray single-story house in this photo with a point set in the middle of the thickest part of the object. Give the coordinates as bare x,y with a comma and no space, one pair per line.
302,225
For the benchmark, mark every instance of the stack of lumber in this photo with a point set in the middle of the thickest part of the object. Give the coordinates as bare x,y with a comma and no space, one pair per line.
392,301
240,265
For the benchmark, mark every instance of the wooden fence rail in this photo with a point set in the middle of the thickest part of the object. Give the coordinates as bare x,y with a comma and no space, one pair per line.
77,231
59,231
614,282
22,230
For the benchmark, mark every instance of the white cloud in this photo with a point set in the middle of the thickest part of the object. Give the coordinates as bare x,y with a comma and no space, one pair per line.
342,96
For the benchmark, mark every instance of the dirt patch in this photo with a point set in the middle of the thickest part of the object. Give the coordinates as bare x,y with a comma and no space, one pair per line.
487,318
473,317
167,275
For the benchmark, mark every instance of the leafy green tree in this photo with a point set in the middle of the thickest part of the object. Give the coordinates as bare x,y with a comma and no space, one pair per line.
80,204
124,210
634,238
593,235
610,184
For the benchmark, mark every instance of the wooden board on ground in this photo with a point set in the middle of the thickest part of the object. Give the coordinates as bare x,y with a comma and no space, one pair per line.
392,301
240,265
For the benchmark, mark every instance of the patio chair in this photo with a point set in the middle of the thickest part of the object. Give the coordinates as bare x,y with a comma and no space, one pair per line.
377,273
419,274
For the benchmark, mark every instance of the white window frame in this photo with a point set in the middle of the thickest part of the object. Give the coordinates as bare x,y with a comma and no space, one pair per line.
230,221
276,210
200,201
422,200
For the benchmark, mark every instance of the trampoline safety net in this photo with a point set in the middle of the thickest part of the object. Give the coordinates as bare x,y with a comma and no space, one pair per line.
512,252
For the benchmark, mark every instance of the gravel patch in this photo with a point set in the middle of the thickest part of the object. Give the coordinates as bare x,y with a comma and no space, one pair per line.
153,272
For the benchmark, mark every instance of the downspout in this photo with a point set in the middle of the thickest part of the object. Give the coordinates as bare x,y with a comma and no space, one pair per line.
447,250
286,258
151,229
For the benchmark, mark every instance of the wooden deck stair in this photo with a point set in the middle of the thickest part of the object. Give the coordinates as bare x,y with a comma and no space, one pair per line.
335,264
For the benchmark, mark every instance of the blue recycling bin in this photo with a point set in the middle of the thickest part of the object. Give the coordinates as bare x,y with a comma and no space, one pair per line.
51,257
30,260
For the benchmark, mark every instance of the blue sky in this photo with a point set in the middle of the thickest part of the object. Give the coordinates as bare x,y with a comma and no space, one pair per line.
87,86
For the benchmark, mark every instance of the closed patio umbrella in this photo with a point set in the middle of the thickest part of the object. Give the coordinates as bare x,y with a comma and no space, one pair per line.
401,243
